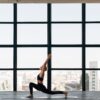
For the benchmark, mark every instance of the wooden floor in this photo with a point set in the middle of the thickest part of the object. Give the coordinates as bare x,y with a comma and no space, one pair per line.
42,96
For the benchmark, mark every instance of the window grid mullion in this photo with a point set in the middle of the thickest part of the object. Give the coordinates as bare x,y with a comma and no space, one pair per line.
49,45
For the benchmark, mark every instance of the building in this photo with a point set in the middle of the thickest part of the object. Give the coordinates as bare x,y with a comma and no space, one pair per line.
93,77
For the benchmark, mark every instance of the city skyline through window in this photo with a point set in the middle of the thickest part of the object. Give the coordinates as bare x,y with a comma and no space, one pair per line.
70,32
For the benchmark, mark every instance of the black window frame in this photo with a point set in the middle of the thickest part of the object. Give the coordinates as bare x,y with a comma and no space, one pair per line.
49,45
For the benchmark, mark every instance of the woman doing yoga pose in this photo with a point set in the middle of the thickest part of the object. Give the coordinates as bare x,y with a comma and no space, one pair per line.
40,77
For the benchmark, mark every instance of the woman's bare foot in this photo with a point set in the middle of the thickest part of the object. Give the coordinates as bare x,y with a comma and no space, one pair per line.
65,93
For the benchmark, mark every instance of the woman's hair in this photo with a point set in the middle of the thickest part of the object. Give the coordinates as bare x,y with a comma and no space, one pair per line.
43,68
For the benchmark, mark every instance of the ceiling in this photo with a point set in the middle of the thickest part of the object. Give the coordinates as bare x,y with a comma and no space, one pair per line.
49,1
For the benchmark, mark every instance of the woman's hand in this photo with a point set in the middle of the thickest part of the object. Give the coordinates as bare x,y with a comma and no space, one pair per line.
49,56
46,62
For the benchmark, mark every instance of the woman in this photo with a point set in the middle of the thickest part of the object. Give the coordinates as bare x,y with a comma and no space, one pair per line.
40,77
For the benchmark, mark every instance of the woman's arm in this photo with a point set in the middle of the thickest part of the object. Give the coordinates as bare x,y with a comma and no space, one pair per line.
44,64
43,68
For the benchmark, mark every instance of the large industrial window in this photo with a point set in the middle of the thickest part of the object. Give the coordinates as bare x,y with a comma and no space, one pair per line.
70,32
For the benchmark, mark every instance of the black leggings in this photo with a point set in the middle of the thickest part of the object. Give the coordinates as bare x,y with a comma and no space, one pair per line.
42,88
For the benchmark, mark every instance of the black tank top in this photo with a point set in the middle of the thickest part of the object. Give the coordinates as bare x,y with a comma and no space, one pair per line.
39,78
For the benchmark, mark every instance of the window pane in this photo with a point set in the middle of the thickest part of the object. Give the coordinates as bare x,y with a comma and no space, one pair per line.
66,58
93,57
31,57
67,80
92,33
6,81
6,34
66,34
32,12
93,83
32,34
6,12
92,12
65,12
6,58
25,77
